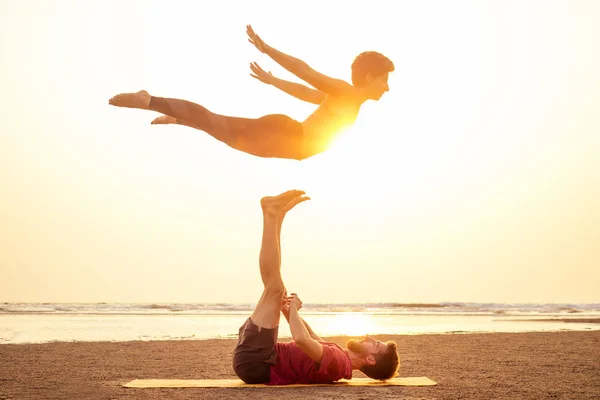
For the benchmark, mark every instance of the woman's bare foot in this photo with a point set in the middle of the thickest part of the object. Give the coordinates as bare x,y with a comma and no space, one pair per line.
139,99
164,119
281,204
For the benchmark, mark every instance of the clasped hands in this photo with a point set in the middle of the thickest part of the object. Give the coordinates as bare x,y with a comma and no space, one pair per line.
291,301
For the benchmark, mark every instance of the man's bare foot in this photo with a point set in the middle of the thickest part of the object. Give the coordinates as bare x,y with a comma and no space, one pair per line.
279,205
139,99
164,119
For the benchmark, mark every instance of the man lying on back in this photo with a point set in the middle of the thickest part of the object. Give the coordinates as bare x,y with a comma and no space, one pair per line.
259,358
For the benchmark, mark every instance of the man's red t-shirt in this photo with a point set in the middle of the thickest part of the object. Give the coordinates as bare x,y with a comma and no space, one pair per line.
294,366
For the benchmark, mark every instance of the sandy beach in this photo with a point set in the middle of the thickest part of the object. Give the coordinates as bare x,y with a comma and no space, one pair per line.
550,365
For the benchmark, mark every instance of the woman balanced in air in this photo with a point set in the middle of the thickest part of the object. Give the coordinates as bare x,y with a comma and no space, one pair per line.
277,135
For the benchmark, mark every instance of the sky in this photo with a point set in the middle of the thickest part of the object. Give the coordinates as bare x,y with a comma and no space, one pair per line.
475,179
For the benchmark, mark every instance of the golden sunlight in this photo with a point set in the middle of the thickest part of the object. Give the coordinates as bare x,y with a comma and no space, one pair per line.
349,165
352,324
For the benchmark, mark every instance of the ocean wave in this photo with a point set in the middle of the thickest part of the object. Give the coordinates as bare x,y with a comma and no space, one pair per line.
387,308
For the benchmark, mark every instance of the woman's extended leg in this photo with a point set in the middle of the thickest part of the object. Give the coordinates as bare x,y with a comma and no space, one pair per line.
269,136
223,128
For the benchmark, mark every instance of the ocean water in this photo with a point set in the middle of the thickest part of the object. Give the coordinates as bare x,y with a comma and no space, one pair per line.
49,322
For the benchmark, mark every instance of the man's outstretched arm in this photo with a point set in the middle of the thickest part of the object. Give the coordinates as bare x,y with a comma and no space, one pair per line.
310,331
301,69
286,313
297,90
301,334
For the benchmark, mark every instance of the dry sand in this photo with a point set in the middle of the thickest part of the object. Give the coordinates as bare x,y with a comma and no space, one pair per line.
552,365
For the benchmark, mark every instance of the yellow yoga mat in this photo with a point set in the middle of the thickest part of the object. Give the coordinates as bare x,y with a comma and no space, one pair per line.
236,383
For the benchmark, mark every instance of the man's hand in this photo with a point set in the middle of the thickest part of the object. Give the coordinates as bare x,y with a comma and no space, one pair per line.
256,40
261,74
295,302
285,306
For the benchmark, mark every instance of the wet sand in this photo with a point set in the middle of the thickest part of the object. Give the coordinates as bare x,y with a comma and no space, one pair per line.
548,365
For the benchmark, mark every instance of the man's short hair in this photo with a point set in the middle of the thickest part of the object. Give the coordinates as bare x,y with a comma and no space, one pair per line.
386,364
369,63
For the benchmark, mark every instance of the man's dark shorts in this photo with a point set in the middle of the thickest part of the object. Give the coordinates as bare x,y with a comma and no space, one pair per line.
255,353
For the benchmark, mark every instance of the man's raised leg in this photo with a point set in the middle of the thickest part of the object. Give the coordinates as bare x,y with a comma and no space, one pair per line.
267,311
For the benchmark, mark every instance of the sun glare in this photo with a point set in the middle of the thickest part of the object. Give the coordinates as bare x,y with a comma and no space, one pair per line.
352,324
349,165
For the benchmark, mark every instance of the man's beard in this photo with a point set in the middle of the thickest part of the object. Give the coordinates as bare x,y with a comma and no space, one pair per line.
355,346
